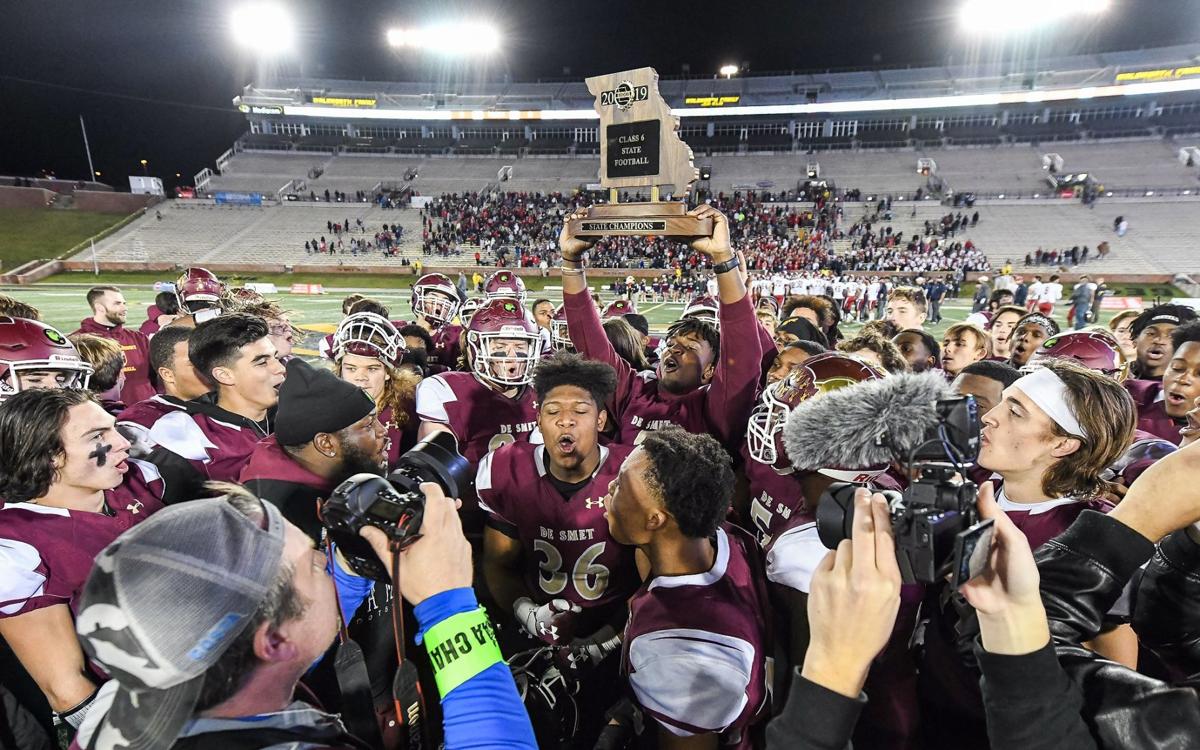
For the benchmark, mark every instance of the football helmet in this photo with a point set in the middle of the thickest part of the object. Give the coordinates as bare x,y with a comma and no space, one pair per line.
505,285
368,335
1137,458
500,320
820,374
548,694
560,338
703,306
1095,349
467,309
617,308
198,289
435,298
30,345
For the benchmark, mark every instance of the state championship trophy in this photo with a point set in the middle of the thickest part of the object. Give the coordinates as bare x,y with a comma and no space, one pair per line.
640,147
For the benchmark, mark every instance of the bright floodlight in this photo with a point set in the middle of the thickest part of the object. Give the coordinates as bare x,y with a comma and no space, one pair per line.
729,70
265,28
448,39
1003,16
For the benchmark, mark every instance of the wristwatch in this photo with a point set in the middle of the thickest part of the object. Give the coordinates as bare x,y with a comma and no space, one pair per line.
728,265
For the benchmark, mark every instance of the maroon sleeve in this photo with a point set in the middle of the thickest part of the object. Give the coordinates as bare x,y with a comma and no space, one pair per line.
730,396
588,338
767,342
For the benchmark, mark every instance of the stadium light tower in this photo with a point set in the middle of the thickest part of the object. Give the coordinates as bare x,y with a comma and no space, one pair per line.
729,71
454,40
1002,17
265,28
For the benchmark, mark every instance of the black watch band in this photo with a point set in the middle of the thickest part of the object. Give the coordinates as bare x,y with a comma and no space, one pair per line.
728,265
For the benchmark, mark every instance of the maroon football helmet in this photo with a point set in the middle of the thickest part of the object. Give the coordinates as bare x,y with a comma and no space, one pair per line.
198,289
505,285
560,338
495,337
368,335
617,308
1095,349
703,306
819,374
32,346
435,298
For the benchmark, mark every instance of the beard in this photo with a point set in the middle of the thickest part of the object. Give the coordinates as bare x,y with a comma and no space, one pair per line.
115,319
355,460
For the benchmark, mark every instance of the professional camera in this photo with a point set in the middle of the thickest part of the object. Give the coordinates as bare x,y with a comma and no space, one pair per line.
935,521
395,504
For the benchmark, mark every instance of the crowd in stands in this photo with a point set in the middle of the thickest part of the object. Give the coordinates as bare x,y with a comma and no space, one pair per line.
521,229
342,240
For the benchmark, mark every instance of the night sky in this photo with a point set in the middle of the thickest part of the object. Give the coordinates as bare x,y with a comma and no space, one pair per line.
154,79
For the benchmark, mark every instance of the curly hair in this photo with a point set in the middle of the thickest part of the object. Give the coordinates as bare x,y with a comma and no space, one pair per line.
31,425
565,368
821,305
693,478
889,354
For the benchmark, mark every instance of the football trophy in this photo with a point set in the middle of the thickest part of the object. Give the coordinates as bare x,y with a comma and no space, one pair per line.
640,147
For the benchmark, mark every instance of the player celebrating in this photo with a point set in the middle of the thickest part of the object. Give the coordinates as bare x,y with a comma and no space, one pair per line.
435,304
35,355
695,646
490,405
367,351
696,385
211,438
67,489
545,501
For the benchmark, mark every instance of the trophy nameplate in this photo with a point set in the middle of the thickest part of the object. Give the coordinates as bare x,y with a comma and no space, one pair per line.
640,147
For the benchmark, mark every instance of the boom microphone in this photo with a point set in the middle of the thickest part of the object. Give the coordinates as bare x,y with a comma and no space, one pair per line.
866,424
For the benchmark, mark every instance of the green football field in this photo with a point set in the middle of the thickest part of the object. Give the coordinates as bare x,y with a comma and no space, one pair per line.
64,306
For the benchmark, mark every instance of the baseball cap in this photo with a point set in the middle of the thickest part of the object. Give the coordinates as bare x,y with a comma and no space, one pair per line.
313,400
163,603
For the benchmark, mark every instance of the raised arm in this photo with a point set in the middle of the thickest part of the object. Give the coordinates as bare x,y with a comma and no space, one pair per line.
730,396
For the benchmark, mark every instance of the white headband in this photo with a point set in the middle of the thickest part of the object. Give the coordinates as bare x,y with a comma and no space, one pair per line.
1049,392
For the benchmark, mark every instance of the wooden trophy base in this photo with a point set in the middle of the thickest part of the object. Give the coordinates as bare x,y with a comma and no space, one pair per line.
665,218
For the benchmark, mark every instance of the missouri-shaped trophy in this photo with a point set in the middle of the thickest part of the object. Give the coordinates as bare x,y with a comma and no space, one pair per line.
640,147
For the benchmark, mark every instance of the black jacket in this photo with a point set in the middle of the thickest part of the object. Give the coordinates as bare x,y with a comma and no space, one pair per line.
1083,572
1166,612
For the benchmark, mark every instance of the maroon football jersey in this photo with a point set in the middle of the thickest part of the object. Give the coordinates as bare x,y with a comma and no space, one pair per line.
215,443
479,417
1151,409
1041,522
720,408
446,349
774,498
695,648
136,348
146,413
569,553
46,553
399,439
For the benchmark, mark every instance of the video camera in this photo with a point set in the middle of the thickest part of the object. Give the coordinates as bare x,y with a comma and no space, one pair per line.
935,521
395,504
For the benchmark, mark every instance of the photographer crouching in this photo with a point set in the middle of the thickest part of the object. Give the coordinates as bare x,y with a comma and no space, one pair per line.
207,615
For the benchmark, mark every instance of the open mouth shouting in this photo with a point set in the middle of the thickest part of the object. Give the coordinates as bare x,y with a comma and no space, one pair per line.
566,445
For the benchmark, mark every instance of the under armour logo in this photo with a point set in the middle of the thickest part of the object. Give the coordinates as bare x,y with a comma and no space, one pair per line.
550,630
134,507
589,503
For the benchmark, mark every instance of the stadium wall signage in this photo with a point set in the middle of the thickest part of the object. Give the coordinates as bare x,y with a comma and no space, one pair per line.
711,101
1161,74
